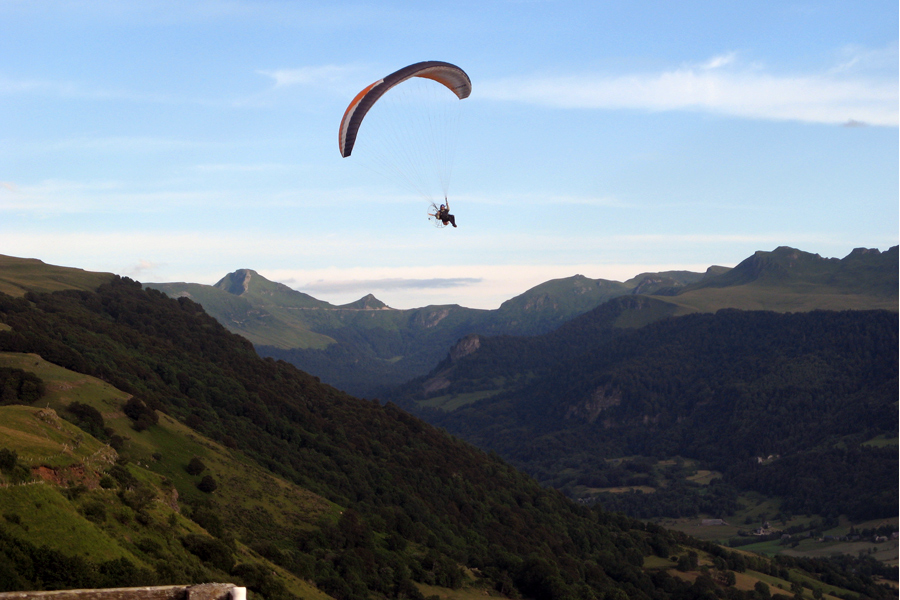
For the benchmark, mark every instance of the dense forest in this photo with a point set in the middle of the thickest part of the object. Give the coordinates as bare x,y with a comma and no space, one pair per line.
726,389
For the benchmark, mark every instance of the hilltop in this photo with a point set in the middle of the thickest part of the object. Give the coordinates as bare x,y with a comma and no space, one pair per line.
20,275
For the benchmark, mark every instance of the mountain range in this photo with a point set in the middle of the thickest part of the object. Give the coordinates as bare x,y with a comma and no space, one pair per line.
606,402
144,444
367,348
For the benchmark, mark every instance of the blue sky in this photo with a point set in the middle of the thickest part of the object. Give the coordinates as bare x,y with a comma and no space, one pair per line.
179,141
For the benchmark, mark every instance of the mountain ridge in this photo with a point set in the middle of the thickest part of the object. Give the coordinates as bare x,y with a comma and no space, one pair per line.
365,348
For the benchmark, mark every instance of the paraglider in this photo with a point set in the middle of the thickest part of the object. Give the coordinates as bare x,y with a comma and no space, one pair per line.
411,118
442,215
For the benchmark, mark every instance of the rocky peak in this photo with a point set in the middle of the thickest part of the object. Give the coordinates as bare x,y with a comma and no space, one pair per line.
236,283
464,347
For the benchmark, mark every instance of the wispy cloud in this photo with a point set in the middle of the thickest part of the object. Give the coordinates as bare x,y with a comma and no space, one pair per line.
113,144
720,61
64,197
854,59
327,76
82,91
720,85
242,168
394,283
143,267
542,198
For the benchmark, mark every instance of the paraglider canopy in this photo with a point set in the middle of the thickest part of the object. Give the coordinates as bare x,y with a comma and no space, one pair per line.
448,75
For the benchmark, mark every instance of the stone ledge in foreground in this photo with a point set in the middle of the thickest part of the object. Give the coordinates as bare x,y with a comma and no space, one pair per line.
204,591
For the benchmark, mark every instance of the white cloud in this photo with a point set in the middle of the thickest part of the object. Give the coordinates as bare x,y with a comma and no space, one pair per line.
354,286
539,198
720,61
857,59
64,197
142,267
717,86
327,76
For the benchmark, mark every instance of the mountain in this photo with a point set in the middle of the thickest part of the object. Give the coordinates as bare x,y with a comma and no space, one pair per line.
612,399
173,453
548,305
365,346
788,279
258,309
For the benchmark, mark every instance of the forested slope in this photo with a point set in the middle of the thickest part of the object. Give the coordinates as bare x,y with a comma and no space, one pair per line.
723,388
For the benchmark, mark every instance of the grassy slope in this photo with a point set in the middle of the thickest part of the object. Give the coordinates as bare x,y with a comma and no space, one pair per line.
18,275
789,280
778,299
271,323
47,518
241,482
250,495
40,436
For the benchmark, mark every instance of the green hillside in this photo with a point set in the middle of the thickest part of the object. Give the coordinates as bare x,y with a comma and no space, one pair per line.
789,280
268,323
19,275
113,517
359,499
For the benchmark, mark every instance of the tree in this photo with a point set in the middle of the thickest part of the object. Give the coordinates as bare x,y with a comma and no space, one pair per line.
8,459
207,484
195,466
